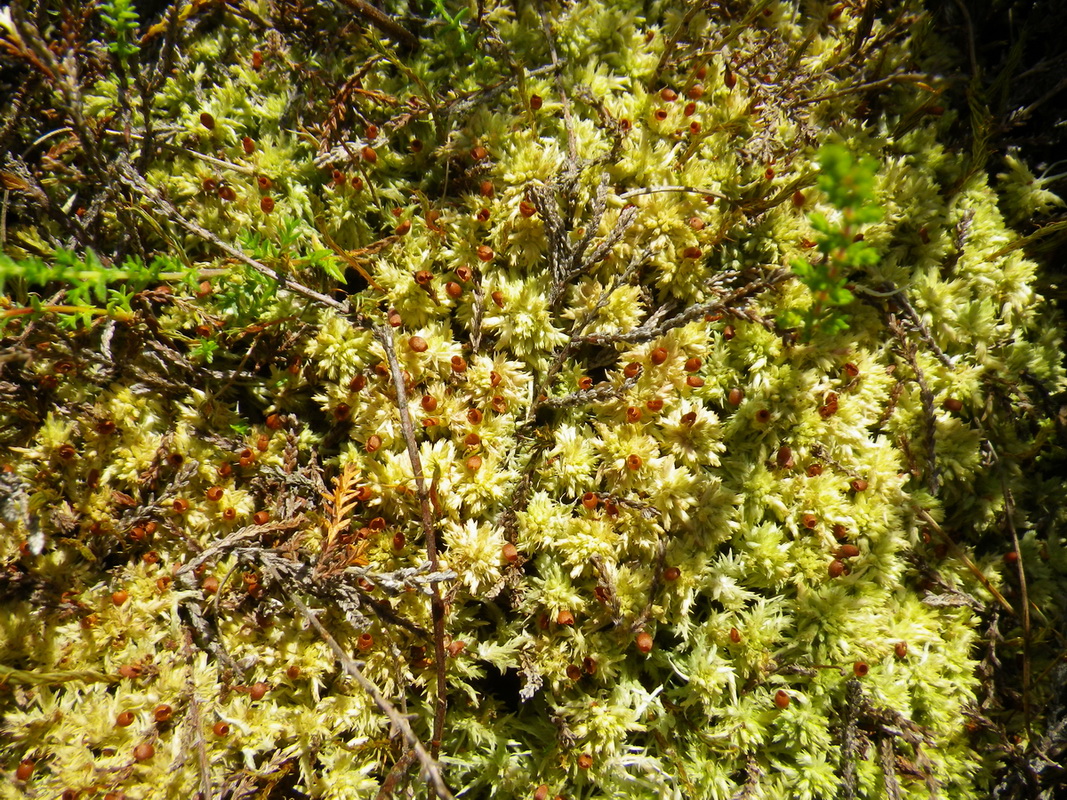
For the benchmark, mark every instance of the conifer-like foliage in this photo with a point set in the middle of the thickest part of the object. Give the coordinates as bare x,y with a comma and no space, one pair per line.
520,400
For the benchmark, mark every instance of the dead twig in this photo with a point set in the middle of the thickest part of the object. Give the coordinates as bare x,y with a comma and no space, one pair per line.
384,335
429,764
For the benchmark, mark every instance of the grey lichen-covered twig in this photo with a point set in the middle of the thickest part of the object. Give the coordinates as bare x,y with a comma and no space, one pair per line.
429,764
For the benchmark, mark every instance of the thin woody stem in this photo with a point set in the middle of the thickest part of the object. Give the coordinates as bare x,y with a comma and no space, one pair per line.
437,606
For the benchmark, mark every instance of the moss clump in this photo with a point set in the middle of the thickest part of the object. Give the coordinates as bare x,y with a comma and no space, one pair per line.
464,374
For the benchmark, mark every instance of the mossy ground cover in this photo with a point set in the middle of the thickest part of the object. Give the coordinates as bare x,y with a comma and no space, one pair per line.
598,399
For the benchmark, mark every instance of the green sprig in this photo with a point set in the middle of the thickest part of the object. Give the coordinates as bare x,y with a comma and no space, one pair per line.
849,185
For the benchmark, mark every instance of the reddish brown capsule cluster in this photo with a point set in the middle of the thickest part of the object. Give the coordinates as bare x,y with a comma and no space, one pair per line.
847,551
829,407
24,771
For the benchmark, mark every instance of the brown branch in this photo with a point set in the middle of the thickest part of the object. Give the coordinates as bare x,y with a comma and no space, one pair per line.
429,764
135,181
1024,597
437,606
383,22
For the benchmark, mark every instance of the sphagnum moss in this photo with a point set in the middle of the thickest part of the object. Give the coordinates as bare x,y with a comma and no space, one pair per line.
492,392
